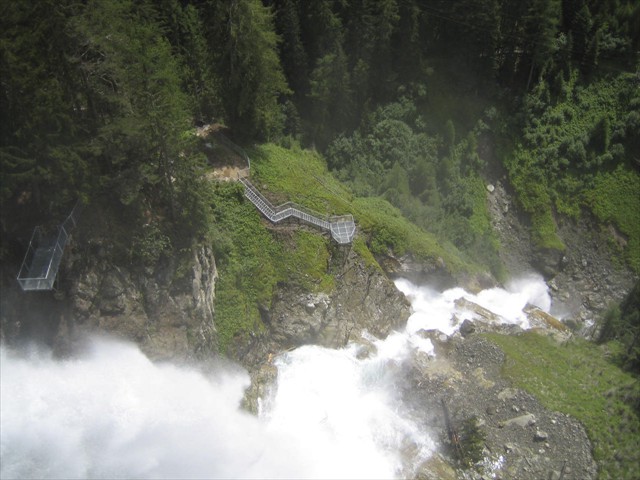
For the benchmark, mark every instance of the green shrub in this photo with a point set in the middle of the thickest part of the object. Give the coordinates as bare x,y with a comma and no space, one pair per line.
150,244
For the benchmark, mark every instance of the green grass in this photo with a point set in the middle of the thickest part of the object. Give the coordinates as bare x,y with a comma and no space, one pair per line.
299,176
307,264
577,379
248,263
302,176
252,261
487,244
533,195
387,230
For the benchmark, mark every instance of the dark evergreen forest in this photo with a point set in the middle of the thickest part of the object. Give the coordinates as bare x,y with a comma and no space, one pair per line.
418,101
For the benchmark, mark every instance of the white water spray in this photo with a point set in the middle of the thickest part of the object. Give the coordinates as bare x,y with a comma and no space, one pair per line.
112,413
433,310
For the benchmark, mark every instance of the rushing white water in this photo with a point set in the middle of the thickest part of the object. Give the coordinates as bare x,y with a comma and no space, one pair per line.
435,310
112,413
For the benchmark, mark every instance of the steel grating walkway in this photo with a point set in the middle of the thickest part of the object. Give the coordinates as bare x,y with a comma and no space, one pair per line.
41,262
342,228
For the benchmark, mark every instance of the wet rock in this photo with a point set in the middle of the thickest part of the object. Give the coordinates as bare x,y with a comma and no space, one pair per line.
467,328
548,261
436,468
541,436
263,381
521,421
479,311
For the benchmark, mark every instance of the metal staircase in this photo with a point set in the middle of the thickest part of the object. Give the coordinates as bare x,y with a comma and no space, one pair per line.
342,228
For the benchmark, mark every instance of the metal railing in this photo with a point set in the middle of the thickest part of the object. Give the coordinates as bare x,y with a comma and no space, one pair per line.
342,228
41,262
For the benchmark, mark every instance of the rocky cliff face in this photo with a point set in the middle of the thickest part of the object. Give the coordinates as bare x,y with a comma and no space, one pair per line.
583,280
169,310
364,300
168,313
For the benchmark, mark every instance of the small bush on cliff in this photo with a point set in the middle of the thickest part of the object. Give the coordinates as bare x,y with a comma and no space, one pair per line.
622,324
150,244
472,440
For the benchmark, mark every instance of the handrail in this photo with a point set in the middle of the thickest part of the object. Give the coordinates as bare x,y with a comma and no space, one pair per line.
342,228
40,265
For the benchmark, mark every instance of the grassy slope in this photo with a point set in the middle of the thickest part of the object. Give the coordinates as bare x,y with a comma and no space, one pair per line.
253,258
301,176
615,198
577,379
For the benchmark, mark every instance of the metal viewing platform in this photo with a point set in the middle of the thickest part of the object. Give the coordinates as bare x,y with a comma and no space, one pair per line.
44,254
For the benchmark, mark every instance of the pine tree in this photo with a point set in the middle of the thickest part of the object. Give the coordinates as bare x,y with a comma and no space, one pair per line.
43,119
541,27
135,79
330,97
242,36
292,52
185,31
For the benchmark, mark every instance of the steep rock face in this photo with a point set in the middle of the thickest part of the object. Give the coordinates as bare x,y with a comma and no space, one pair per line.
363,299
169,315
583,280
434,273
590,278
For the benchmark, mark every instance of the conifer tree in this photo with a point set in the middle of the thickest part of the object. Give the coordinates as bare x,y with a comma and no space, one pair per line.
43,120
244,44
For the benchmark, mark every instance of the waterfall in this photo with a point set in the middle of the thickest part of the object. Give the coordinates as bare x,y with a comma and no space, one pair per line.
110,412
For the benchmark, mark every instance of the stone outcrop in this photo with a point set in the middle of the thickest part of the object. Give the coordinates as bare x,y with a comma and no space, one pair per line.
522,439
169,314
363,299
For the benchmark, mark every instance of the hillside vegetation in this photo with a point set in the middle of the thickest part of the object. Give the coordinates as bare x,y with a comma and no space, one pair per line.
577,152
254,256
399,112
420,103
